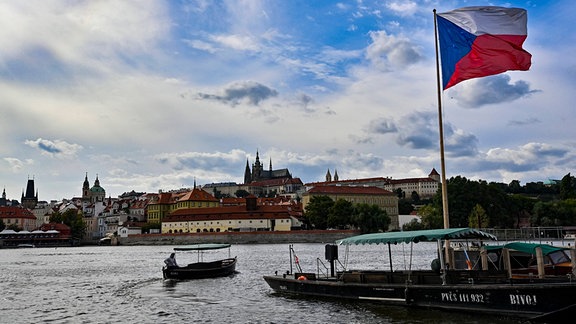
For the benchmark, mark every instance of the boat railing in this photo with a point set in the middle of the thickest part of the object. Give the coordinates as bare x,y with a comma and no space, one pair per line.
323,271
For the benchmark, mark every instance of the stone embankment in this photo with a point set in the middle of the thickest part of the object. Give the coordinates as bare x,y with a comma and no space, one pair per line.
286,237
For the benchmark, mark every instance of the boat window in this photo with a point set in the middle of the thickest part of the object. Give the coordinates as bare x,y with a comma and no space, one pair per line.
558,257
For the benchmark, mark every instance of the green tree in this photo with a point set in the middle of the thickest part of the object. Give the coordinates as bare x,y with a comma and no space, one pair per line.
413,225
340,215
241,193
567,190
415,197
478,218
370,218
317,211
431,217
73,219
405,207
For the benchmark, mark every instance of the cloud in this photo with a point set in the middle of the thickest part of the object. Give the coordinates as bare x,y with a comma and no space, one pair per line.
56,148
388,51
527,157
527,121
382,126
17,164
490,90
419,130
404,8
237,42
249,92
202,160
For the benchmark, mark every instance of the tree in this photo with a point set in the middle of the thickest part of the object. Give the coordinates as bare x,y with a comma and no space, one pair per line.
415,197
73,219
413,225
431,217
405,207
478,218
370,218
317,211
340,215
567,190
241,193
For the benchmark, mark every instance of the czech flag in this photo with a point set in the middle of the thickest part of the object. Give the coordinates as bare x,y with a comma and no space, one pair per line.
481,41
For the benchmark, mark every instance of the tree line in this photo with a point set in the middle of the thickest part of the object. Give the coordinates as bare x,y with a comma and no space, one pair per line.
481,204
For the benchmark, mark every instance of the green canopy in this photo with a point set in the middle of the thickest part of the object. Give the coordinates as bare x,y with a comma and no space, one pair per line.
529,248
417,236
201,247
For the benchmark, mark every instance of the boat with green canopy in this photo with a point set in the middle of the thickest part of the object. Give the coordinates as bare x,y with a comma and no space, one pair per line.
443,286
201,269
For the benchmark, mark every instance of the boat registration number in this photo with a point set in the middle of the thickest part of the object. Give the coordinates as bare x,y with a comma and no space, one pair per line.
463,297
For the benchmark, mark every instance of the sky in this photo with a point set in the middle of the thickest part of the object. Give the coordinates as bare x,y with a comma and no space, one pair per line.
158,95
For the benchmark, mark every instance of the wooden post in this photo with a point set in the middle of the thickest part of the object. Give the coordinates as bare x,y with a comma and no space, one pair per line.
573,258
506,259
540,262
484,258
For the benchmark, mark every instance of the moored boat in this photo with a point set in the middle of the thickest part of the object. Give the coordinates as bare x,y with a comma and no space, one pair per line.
491,291
201,269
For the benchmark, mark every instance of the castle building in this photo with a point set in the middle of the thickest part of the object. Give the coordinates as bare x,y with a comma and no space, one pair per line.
258,173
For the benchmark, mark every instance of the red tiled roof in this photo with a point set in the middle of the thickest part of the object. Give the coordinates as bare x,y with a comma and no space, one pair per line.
16,212
197,195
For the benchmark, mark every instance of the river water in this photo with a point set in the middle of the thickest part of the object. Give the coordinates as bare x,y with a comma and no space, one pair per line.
112,284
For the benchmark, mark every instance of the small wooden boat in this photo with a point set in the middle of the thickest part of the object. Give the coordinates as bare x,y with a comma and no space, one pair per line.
201,269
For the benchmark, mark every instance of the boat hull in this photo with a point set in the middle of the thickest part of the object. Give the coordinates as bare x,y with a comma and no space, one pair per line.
522,299
201,270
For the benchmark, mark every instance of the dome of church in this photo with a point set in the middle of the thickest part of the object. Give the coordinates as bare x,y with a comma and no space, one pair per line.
97,189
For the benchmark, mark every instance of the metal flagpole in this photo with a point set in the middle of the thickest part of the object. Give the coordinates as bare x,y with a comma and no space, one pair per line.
442,162
441,131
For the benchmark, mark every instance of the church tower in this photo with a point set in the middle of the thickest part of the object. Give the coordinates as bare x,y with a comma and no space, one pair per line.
86,189
336,175
256,168
328,176
247,174
29,200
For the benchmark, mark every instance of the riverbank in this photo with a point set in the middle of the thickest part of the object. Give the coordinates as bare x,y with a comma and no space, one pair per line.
314,236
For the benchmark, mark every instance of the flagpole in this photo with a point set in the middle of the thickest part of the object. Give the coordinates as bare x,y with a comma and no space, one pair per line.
446,261
441,131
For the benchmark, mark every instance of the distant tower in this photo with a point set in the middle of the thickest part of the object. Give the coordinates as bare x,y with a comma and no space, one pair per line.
335,175
328,176
29,200
247,174
86,189
97,193
434,175
256,168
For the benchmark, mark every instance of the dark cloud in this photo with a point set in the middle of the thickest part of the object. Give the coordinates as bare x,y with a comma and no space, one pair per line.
242,91
490,90
56,148
382,126
527,121
419,130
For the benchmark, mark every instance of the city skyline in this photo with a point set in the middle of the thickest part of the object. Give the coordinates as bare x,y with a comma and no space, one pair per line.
156,95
